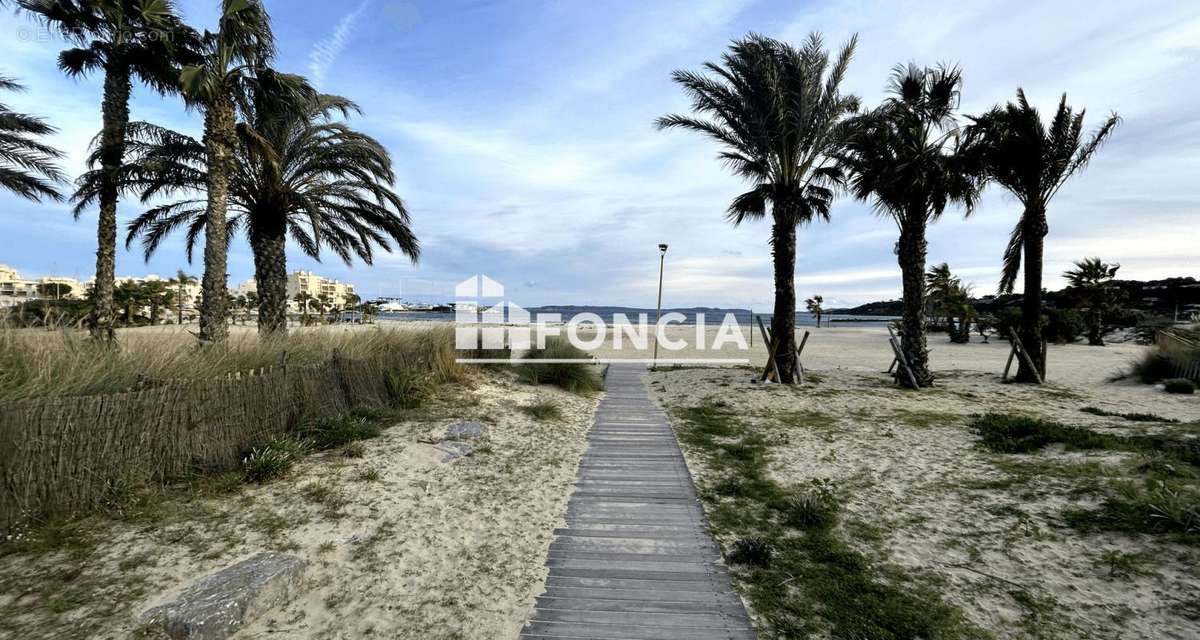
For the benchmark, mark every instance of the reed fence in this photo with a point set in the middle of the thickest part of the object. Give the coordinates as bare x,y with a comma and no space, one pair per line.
58,455
1183,352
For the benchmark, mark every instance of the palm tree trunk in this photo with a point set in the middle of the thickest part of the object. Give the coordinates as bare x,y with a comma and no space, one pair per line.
218,141
1095,326
911,257
1031,306
783,321
179,306
112,141
270,272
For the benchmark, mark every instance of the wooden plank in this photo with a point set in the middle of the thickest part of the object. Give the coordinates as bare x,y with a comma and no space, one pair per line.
635,559
772,366
1025,358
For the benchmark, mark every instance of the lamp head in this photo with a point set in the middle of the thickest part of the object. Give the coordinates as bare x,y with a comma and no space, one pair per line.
662,247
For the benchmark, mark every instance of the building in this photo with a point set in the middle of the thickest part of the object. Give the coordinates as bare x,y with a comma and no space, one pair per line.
334,292
340,294
15,289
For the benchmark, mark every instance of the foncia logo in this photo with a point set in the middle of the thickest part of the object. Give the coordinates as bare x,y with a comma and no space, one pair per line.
491,329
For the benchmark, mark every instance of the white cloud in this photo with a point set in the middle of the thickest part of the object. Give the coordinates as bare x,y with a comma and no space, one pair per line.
325,53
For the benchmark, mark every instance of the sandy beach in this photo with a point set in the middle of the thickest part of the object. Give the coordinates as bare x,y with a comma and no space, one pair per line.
923,496
399,543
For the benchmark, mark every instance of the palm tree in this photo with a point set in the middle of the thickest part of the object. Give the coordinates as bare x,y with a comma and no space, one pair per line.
299,173
938,282
303,299
181,281
27,166
242,44
814,307
1032,162
956,300
1092,277
157,294
777,111
126,39
904,155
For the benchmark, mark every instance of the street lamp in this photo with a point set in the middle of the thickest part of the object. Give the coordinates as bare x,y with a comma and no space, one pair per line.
662,259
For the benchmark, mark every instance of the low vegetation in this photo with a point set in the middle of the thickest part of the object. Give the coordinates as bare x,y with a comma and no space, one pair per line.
1181,386
42,364
578,376
1161,496
793,561
542,409
1133,417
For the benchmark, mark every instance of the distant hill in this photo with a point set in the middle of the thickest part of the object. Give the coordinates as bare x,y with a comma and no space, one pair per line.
1158,297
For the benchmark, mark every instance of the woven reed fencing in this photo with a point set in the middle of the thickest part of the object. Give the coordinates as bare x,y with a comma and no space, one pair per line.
58,455
1184,352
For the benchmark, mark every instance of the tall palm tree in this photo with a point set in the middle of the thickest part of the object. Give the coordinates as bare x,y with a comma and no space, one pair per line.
777,111
298,172
127,40
1032,162
1092,277
242,44
27,167
904,156
181,281
814,305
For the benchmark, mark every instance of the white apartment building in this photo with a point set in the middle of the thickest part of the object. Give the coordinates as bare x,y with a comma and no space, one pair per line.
15,289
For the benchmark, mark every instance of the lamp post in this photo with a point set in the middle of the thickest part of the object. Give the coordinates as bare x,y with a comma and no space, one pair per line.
662,260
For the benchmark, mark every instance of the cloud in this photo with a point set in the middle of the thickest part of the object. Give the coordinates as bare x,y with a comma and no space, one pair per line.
325,53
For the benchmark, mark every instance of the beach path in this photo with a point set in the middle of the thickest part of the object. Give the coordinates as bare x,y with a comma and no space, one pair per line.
635,560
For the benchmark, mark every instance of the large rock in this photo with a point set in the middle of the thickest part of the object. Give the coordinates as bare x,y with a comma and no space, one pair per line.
216,606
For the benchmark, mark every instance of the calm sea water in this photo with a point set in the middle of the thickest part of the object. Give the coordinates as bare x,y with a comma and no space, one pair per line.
711,316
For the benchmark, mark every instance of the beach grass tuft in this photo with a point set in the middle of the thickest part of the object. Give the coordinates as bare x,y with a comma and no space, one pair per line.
577,377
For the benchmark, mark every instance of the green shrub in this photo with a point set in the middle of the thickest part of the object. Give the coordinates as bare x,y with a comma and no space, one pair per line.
273,458
1058,325
354,450
1004,433
407,388
1180,385
576,377
337,431
542,409
813,508
755,552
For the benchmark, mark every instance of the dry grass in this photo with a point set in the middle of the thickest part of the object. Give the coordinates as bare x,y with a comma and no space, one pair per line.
41,364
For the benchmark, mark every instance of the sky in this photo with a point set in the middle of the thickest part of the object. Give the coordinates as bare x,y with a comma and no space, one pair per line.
522,134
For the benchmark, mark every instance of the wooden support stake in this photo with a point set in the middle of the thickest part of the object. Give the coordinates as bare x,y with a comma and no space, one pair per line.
1012,353
1026,359
902,359
771,364
799,351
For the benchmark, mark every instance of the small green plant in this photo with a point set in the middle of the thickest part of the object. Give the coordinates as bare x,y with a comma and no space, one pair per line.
542,409
370,474
578,376
813,507
337,431
273,458
121,494
1180,386
408,388
354,450
755,552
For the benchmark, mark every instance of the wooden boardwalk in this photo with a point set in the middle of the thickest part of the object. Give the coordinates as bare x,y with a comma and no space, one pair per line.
635,560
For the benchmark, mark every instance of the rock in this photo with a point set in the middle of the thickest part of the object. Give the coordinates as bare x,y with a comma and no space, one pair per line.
455,449
217,605
464,430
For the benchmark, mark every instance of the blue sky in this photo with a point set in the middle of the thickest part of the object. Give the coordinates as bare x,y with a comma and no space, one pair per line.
523,141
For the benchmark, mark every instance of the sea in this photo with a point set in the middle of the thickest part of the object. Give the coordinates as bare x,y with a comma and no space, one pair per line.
712,316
